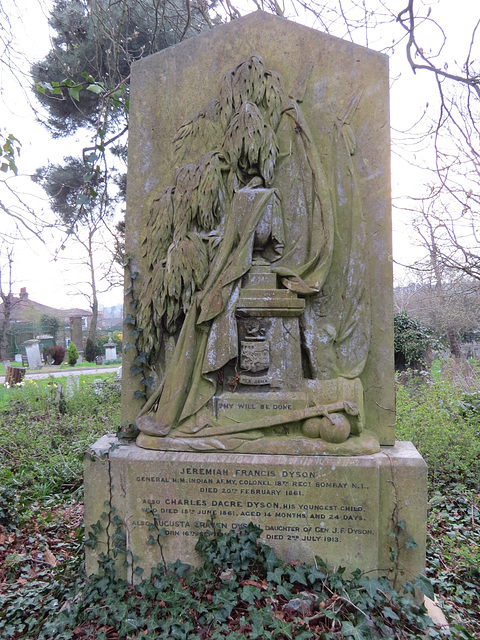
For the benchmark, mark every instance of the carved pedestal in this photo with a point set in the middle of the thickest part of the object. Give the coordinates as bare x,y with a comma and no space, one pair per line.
339,509
269,338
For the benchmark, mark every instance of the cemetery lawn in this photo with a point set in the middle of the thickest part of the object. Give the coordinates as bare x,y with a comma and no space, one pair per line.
243,591
64,366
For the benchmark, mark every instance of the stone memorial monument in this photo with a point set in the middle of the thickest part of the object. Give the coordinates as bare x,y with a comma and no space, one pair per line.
258,363
110,349
32,350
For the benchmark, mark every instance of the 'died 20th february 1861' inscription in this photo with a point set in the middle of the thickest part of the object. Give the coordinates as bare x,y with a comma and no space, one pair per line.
325,507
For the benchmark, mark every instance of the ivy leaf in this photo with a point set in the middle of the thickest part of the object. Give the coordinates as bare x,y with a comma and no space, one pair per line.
250,594
425,586
179,568
389,613
275,576
358,632
282,590
75,92
95,88
297,574
135,369
257,621
411,544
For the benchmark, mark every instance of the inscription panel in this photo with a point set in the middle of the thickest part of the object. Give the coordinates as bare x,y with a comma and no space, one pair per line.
313,507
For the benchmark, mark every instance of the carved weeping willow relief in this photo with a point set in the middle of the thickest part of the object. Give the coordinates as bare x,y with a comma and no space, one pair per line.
254,311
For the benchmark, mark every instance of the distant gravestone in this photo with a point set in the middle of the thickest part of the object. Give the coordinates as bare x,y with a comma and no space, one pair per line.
71,386
33,354
110,350
259,335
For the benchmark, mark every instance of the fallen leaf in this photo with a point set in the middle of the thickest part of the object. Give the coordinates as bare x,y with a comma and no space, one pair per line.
49,558
254,583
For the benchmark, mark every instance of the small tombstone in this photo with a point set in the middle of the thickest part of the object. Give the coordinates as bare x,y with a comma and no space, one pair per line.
14,376
18,357
72,385
33,354
110,350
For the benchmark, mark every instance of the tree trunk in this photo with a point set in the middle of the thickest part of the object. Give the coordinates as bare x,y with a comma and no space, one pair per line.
92,332
454,346
3,337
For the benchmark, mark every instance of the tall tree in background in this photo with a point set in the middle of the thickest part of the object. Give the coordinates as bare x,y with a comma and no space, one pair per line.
8,301
85,220
99,39
83,82
50,325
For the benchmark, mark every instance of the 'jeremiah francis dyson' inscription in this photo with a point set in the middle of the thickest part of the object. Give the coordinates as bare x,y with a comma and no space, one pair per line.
322,507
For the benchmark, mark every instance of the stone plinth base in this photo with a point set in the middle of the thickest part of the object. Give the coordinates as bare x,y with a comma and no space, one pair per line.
343,510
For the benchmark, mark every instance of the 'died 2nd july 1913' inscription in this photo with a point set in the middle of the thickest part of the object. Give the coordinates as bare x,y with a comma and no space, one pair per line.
329,507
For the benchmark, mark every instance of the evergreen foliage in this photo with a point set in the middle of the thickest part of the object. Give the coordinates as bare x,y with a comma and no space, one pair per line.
72,354
412,341
91,350
94,46
50,325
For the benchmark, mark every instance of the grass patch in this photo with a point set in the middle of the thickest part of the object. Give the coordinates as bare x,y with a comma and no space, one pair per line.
442,419
44,432
63,366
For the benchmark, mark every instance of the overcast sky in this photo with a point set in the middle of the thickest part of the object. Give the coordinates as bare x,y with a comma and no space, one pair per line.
51,281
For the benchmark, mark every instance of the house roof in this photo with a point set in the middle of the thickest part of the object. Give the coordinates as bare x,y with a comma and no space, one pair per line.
26,310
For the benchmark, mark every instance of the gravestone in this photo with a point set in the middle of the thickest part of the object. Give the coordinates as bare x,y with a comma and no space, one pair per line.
72,386
258,361
33,353
110,350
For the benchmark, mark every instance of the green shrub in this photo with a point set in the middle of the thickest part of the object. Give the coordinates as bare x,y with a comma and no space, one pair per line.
72,354
412,341
92,350
443,422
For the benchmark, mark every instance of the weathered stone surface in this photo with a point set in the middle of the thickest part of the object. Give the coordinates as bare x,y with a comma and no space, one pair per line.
337,95
340,509
259,301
